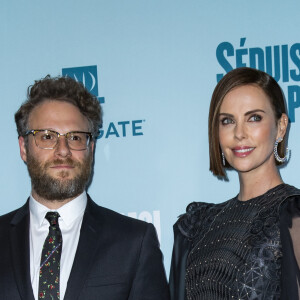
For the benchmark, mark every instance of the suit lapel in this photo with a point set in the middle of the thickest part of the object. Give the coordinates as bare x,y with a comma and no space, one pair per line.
19,243
86,251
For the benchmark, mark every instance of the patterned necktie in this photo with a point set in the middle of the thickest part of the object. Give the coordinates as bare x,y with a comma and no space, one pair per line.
50,260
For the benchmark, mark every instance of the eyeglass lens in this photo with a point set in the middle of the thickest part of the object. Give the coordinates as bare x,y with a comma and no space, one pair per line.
48,139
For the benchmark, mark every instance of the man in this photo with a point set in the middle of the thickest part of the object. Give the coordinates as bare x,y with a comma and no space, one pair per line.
60,244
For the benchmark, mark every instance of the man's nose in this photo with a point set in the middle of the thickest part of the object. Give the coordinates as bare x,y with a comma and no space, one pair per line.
62,147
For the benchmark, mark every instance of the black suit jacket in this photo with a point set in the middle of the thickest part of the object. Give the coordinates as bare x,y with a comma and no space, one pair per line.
117,258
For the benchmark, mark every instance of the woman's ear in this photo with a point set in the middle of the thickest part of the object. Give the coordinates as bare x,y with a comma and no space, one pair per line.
282,126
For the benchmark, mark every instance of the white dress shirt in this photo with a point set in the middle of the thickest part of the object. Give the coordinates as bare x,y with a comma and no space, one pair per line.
70,220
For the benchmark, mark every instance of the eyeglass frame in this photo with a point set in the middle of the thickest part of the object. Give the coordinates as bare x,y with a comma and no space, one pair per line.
34,131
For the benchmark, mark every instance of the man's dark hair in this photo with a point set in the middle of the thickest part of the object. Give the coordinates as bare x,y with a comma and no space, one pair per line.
60,89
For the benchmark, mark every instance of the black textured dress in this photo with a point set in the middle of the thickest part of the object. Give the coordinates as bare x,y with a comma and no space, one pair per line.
237,249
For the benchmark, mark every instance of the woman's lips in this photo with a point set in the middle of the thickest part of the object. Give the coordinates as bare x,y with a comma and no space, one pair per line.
242,151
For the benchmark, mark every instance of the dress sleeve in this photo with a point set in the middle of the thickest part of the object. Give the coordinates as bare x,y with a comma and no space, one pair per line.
290,233
185,230
181,250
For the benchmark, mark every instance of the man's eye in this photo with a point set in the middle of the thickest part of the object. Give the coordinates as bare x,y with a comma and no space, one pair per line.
75,138
47,137
255,118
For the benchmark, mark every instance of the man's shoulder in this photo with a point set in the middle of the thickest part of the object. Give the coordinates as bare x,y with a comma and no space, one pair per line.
11,218
8,217
114,219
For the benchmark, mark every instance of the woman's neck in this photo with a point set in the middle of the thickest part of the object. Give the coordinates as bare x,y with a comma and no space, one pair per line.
253,184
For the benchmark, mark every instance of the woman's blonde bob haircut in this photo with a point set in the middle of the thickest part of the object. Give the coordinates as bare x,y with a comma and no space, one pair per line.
235,78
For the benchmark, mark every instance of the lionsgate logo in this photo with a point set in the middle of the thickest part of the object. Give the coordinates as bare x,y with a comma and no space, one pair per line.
88,76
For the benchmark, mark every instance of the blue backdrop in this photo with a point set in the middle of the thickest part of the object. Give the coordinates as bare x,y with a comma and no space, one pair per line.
153,65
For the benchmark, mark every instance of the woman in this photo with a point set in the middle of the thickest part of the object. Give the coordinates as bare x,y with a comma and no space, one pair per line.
247,247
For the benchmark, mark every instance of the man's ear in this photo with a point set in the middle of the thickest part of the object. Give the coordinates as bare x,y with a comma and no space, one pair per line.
282,126
92,146
23,152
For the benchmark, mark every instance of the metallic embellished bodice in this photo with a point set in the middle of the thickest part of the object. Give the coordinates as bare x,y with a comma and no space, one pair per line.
236,248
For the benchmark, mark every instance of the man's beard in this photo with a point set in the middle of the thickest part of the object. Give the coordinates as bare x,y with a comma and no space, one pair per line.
60,189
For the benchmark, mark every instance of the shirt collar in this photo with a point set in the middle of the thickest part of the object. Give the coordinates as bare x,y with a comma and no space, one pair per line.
68,212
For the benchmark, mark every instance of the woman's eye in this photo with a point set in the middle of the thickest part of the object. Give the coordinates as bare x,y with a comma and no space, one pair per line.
226,121
255,118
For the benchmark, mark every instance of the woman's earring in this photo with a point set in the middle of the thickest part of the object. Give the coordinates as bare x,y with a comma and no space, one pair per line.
277,157
223,159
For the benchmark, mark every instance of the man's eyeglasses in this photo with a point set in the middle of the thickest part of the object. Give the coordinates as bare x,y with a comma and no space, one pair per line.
48,139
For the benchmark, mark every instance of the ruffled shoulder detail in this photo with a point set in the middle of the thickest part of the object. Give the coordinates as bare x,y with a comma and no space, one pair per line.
290,209
198,216
290,203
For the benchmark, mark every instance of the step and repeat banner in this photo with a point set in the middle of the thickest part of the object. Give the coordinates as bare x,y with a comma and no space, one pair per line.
153,64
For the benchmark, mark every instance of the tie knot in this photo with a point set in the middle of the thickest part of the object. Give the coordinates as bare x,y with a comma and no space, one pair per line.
52,217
